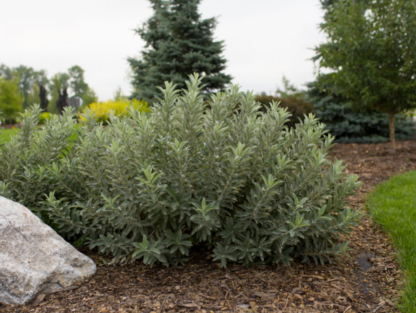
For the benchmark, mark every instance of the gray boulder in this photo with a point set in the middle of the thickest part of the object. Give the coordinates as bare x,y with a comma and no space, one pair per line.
34,259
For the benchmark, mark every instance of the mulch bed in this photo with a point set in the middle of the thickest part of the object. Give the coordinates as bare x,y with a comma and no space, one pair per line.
369,280
10,126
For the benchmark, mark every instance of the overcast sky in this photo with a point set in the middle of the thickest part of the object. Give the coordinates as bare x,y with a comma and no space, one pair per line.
264,39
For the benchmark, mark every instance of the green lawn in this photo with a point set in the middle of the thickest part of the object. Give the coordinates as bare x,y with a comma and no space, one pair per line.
5,134
393,206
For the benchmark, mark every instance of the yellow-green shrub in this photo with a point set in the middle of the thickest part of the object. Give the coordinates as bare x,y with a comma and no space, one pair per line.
102,110
44,117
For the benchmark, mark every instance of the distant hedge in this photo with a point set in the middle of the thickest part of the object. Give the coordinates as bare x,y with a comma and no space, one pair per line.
297,105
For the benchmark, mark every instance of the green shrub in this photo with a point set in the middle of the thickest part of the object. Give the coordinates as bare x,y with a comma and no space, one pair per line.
349,126
153,185
297,105
9,121
44,117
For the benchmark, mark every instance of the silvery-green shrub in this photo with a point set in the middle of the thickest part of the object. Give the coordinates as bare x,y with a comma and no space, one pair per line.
150,186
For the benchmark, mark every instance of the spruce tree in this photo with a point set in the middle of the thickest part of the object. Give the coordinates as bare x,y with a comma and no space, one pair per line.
178,43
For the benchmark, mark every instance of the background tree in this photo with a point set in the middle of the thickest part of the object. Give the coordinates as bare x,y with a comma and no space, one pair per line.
43,98
34,86
70,84
6,72
42,81
10,98
26,82
291,98
33,96
178,43
62,101
119,95
370,51
289,90
349,125
78,86
59,92
38,95
30,82
89,97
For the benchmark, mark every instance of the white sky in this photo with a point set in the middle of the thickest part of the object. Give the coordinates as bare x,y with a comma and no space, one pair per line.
264,39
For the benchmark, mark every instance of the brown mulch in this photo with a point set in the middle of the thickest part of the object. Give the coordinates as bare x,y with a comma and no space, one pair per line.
367,281
10,126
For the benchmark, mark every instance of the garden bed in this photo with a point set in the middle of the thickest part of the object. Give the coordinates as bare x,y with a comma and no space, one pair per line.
367,281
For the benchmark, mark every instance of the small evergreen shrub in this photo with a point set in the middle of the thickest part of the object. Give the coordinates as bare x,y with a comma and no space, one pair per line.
297,105
102,110
348,126
151,186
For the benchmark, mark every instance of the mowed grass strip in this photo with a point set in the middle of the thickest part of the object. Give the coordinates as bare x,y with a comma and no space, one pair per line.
393,206
6,134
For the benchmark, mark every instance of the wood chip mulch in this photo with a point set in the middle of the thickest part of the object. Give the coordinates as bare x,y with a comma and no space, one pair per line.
369,280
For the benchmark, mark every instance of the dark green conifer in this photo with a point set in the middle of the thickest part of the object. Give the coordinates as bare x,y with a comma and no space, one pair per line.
178,43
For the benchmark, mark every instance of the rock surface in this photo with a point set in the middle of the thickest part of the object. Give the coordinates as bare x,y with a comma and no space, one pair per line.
34,259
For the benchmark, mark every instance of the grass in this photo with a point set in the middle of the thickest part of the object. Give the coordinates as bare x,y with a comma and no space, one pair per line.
393,206
5,134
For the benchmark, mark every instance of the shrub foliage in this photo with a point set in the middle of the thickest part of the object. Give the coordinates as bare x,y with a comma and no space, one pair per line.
101,110
151,186
297,105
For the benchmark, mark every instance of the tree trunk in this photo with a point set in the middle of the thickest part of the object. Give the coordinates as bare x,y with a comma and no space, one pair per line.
392,134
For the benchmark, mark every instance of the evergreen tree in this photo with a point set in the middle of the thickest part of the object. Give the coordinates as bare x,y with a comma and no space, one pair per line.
178,43
370,50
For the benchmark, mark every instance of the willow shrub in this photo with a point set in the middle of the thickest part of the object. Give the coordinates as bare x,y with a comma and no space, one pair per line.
150,186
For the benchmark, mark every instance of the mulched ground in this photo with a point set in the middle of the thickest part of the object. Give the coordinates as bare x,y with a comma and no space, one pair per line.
10,126
367,281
